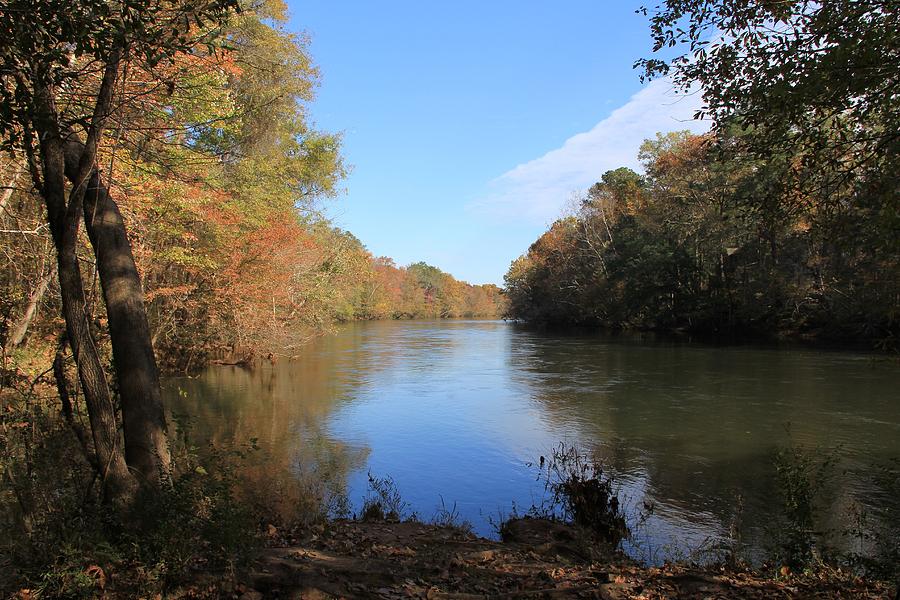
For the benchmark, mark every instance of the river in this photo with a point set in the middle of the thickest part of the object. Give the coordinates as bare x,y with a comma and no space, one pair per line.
453,411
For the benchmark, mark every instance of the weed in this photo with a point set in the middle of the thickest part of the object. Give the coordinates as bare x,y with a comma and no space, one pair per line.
449,517
65,542
198,521
730,549
383,502
798,540
581,493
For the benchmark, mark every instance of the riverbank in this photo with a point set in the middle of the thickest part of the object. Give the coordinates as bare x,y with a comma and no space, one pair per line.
540,559
774,340
537,558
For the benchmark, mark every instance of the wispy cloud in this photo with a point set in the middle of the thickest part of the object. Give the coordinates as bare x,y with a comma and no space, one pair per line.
537,190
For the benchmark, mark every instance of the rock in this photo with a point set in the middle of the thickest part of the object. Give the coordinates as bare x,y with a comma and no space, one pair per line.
536,532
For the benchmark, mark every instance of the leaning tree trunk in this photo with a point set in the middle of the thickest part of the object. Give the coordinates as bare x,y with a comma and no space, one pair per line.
117,482
146,442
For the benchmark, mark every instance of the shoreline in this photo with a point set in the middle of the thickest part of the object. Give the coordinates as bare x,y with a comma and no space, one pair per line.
353,559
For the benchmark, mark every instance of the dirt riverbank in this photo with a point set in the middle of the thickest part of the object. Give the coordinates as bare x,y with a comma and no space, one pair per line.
537,560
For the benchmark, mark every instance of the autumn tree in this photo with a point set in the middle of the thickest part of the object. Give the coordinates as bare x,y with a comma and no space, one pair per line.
61,68
713,242
238,260
804,92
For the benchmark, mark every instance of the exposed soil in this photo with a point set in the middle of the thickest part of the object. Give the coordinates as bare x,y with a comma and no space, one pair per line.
537,559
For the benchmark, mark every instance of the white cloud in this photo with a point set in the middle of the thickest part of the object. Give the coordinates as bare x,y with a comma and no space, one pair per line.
537,190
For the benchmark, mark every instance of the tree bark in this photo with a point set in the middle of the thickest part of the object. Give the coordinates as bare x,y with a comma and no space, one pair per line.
146,441
17,336
62,387
117,482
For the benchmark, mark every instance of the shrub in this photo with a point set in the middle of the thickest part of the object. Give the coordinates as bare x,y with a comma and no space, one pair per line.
383,501
64,542
799,541
450,518
199,521
582,494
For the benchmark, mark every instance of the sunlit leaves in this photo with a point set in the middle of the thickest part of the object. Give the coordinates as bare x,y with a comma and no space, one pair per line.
710,240
820,78
59,44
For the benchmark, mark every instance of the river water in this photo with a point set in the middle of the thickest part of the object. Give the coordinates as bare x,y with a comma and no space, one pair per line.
453,411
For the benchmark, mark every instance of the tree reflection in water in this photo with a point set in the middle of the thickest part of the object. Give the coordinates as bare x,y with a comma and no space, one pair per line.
453,410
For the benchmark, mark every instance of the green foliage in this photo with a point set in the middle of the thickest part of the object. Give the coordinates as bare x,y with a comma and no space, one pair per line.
713,240
199,520
69,578
214,161
783,221
43,478
817,78
45,42
799,540
62,541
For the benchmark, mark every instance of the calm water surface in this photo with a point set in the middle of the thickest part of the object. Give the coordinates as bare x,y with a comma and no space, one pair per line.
454,410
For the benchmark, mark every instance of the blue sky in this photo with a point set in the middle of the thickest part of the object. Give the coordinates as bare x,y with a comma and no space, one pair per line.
469,125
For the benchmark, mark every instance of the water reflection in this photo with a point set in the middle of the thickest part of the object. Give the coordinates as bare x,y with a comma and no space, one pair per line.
693,427
453,410
285,408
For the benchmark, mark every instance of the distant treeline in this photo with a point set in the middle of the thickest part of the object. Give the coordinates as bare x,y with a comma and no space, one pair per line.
713,239
421,291
216,278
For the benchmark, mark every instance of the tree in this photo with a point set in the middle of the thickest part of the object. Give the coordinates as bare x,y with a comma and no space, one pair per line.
807,93
818,78
237,260
61,67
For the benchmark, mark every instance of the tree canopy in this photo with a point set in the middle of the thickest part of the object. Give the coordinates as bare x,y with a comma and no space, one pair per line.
711,242
820,79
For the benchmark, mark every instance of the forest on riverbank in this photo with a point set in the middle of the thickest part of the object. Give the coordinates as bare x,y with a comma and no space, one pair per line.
784,220
710,240
161,207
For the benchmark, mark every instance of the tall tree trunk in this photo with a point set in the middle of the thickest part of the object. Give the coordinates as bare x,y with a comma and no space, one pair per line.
118,483
17,336
146,442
